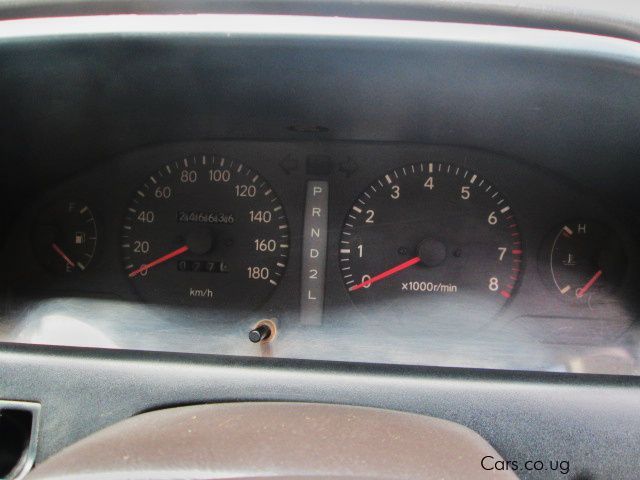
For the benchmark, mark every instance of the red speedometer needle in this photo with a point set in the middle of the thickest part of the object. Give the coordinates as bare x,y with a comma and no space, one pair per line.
59,251
580,293
386,273
158,261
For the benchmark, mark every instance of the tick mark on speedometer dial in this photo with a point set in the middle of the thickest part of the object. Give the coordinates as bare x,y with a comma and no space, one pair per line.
428,240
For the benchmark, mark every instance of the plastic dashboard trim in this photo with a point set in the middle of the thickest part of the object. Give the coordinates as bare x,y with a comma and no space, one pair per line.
288,26
523,415
574,15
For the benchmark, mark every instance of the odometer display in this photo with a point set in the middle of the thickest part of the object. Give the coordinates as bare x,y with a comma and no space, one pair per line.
431,241
205,231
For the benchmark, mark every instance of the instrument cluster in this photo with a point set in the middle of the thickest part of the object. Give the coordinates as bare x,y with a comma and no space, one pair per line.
389,253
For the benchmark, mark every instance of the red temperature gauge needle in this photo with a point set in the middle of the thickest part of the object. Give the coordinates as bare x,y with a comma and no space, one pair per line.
580,293
158,261
386,273
59,251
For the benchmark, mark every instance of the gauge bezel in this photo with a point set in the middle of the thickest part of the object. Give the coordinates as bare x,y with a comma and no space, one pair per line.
97,244
209,160
546,269
442,167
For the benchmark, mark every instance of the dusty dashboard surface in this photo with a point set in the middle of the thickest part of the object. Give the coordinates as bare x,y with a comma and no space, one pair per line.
441,216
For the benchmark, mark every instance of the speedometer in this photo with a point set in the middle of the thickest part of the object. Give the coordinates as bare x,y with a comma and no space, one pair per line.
205,231
431,241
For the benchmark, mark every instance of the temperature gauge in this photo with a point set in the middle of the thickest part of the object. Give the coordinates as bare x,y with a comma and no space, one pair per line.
587,262
65,237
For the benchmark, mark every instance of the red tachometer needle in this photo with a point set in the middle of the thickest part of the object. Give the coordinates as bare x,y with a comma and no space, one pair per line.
580,293
59,251
386,273
160,260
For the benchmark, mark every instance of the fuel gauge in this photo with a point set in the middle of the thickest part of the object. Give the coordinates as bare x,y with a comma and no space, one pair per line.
587,262
65,236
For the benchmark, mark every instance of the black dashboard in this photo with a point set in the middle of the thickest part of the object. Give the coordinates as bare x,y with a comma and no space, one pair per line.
368,252
416,207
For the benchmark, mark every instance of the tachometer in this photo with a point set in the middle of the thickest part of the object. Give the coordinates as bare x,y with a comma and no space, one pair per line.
205,231
431,240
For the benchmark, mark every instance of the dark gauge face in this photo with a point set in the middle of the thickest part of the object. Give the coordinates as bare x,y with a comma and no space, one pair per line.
205,231
587,262
431,242
65,236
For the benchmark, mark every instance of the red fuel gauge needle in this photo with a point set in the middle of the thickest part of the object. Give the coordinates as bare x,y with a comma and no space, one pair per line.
580,293
158,261
59,251
386,273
